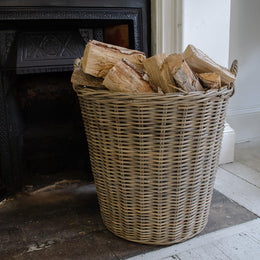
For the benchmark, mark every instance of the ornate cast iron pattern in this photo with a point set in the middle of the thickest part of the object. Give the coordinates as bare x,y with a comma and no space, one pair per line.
99,34
44,49
86,34
59,13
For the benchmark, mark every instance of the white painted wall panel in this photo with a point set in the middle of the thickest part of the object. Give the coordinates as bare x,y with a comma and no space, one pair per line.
244,108
206,25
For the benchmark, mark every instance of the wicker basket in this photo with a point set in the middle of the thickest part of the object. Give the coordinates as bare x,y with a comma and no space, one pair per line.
154,159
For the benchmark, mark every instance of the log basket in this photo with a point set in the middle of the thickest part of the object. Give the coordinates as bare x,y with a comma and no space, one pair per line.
154,158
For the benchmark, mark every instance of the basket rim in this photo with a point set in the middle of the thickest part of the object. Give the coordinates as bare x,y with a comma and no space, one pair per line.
92,92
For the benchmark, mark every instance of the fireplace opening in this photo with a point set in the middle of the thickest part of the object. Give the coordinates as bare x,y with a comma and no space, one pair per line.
53,136
50,127
42,137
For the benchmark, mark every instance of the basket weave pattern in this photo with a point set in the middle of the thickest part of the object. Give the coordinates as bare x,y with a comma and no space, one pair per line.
154,159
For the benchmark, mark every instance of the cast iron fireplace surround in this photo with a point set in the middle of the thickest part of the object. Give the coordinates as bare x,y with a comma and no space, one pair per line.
61,28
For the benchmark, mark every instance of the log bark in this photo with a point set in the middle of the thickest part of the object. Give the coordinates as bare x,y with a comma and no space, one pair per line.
182,74
100,57
199,62
126,77
80,78
152,66
210,80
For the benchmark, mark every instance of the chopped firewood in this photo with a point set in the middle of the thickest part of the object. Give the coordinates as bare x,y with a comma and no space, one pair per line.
126,77
199,62
167,82
210,80
100,57
152,66
80,78
182,74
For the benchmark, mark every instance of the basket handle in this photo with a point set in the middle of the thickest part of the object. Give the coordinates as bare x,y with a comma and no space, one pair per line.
234,67
234,70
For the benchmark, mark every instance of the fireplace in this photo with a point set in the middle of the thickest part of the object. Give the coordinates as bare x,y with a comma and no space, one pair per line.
41,132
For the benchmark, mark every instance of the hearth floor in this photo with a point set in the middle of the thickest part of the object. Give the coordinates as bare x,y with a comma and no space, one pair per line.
63,221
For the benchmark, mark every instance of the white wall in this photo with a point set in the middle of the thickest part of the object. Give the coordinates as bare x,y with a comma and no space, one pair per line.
206,25
244,107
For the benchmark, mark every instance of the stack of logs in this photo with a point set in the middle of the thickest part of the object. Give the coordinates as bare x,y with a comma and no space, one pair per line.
111,67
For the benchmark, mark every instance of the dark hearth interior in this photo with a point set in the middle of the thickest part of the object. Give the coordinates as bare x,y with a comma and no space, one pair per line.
42,137
52,131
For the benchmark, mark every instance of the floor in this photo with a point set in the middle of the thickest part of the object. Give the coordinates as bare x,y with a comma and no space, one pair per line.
62,221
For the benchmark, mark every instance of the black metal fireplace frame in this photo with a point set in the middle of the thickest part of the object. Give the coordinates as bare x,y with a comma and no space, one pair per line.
12,12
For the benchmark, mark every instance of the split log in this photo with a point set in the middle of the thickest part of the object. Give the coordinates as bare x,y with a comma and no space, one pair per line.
167,82
152,66
210,80
182,74
80,78
199,62
100,57
126,77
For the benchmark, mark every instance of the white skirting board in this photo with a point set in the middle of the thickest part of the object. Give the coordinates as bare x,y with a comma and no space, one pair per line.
228,145
246,124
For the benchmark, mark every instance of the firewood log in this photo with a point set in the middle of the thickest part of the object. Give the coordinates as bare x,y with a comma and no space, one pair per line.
182,74
167,82
199,62
100,57
126,77
80,78
152,66
210,80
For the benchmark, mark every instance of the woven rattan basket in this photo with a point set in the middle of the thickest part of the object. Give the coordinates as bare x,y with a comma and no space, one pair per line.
154,159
